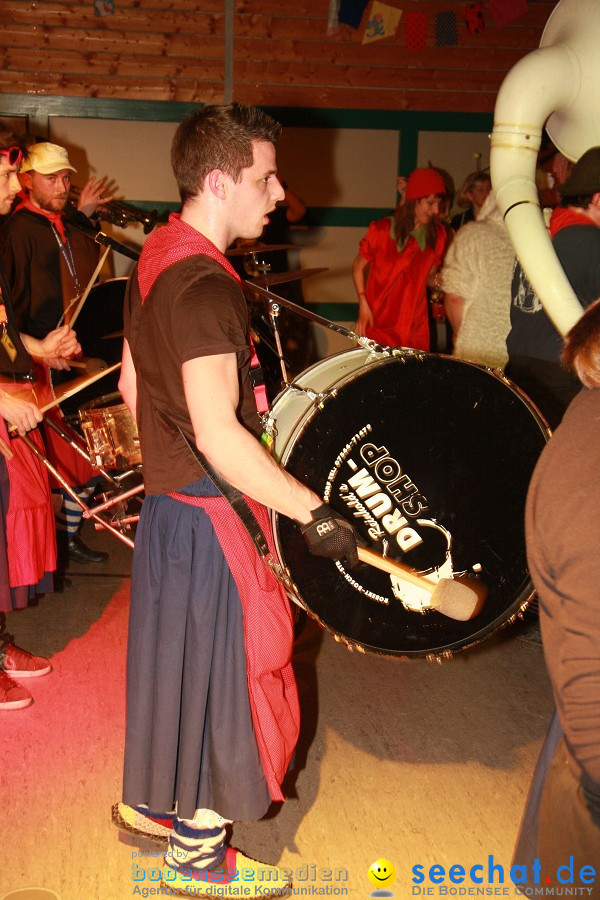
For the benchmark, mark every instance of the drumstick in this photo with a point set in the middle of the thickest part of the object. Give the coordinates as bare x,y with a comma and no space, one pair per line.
452,597
79,387
4,448
70,320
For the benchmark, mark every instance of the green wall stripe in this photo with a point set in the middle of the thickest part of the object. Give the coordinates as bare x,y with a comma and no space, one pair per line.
336,312
301,117
95,107
344,216
317,216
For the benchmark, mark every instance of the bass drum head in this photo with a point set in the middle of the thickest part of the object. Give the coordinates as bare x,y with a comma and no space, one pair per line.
430,458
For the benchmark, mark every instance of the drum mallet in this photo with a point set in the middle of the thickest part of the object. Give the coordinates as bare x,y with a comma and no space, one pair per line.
91,364
456,598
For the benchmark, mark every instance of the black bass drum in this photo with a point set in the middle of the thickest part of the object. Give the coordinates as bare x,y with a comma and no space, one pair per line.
430,458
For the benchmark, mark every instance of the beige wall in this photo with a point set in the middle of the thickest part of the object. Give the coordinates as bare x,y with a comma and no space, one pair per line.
133,155
335,167
351,167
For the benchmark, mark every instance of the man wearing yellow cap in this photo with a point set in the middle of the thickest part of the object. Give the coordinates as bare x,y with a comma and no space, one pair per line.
47,263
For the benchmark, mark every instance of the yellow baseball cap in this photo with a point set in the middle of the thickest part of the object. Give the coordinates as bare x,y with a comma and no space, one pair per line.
46,159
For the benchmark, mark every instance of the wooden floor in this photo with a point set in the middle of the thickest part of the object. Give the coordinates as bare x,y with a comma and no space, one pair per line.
413,762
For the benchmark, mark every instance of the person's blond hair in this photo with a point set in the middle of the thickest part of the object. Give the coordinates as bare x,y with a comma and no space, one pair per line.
581,352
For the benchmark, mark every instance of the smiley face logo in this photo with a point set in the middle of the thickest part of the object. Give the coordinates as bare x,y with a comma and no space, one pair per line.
382,873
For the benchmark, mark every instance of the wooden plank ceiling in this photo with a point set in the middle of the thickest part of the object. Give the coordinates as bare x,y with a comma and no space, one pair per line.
283,56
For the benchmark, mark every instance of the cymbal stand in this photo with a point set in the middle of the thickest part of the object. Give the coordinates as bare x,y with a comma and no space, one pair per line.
256,267
88,513
365,343
69,490
120,519
274,310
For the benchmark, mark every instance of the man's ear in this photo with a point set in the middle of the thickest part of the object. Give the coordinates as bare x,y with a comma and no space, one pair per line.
216,181
25,179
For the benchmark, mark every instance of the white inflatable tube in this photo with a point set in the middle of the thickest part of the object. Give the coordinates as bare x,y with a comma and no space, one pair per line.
559,83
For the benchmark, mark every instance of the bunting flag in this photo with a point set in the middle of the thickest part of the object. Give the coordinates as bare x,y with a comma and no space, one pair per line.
446,34
505,11
382,22
333,22
415,30
351,12
104,7
474,18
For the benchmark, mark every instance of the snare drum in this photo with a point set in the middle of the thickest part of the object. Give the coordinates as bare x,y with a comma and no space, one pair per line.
430,457
110,433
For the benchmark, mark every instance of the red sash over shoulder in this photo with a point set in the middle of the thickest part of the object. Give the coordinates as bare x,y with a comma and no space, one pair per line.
268,636
167,246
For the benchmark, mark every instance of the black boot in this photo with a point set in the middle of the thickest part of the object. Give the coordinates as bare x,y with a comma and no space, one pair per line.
79,553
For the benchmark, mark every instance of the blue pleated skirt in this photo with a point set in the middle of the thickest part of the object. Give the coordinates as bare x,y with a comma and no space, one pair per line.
189,737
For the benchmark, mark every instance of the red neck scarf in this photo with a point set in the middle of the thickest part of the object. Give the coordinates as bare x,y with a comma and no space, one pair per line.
563,217
56,219
167,246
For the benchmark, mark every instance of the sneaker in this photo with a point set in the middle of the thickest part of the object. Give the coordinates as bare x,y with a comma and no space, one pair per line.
13,695
141,822
238,876
22,664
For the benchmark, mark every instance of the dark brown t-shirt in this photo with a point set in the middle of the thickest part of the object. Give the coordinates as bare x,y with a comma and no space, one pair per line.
194,309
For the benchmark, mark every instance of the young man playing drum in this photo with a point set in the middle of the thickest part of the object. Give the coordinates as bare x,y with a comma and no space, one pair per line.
212,712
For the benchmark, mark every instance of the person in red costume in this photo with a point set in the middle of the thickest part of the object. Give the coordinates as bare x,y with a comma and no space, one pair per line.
398,258
27,544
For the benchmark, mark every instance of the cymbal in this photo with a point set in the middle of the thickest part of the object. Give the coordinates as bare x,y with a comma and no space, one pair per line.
69,388
258,248
270,278
115,334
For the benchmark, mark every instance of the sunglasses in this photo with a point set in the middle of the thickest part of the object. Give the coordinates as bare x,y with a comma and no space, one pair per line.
14,155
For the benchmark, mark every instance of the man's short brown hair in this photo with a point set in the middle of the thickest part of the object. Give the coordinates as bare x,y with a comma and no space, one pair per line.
218,137
581,352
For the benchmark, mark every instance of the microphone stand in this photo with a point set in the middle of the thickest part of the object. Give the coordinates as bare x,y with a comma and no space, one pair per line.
101,238
106,241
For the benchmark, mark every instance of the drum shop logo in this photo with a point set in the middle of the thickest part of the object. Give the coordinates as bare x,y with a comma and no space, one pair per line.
371,482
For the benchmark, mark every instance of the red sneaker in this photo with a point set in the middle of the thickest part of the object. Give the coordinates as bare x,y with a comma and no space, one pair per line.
12,695
21,664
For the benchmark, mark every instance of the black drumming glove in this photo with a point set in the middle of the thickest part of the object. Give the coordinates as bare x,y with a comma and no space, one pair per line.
330,535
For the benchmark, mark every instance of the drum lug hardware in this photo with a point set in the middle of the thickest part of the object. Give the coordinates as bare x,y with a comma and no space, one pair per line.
269,427
315,396
368,343
282,575
439,657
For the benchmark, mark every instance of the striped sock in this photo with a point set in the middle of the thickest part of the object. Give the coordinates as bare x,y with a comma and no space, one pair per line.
68,517
195,848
